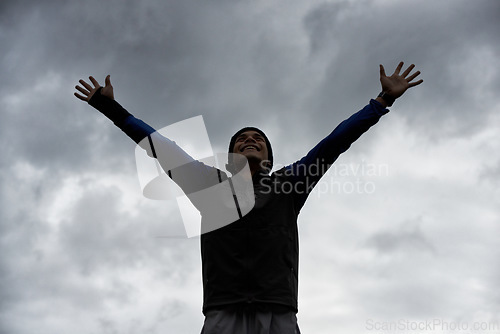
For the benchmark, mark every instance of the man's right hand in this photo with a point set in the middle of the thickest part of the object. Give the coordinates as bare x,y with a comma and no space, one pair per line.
88,91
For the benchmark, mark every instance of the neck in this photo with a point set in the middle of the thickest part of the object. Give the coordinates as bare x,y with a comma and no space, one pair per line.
255,167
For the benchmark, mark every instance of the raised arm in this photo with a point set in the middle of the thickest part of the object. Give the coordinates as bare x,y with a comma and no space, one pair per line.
190,174
307,171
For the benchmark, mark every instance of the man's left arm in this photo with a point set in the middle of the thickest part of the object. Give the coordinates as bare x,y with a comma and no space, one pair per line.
306,172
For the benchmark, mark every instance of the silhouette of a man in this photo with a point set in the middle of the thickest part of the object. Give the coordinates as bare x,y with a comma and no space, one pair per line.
250,267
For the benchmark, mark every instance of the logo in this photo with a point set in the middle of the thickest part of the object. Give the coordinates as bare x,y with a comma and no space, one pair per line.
211,190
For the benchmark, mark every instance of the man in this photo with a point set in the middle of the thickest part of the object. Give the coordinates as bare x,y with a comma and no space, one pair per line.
250,267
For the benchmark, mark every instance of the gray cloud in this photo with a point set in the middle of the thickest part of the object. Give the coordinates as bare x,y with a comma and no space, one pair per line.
407,238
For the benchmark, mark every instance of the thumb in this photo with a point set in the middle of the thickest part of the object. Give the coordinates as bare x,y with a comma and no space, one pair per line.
107,81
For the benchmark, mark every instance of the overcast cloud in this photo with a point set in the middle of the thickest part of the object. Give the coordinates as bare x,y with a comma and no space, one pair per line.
406,227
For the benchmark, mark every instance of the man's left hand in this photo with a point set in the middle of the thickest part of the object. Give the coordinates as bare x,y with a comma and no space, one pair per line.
397,83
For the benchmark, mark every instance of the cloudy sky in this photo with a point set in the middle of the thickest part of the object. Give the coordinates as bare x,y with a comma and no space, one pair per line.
404,229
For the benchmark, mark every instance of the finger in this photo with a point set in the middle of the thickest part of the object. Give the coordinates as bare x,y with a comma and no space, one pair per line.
107,81
86,85
413,76
94,81
84,91
398,69
413,84
382,71
83,98
408,70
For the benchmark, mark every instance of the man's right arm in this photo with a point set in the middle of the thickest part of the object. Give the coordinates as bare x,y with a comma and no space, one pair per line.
137,130
191,175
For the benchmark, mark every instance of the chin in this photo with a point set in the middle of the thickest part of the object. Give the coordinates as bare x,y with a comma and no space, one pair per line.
253,156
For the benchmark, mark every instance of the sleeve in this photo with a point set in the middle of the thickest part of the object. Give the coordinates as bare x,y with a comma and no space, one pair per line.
306,172
190,174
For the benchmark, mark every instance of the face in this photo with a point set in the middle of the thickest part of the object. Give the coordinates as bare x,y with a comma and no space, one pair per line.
252,145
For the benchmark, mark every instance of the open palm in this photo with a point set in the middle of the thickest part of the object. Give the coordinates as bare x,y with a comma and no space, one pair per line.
88,91
397,84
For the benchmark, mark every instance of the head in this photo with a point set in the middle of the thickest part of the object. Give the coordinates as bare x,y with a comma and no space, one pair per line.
253,144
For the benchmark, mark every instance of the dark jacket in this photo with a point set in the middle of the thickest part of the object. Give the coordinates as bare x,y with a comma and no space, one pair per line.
256,258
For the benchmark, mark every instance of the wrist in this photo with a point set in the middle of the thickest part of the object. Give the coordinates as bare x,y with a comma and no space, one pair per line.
385,99
381,101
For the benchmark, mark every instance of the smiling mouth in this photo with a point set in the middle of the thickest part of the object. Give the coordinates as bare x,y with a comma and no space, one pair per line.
249,147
